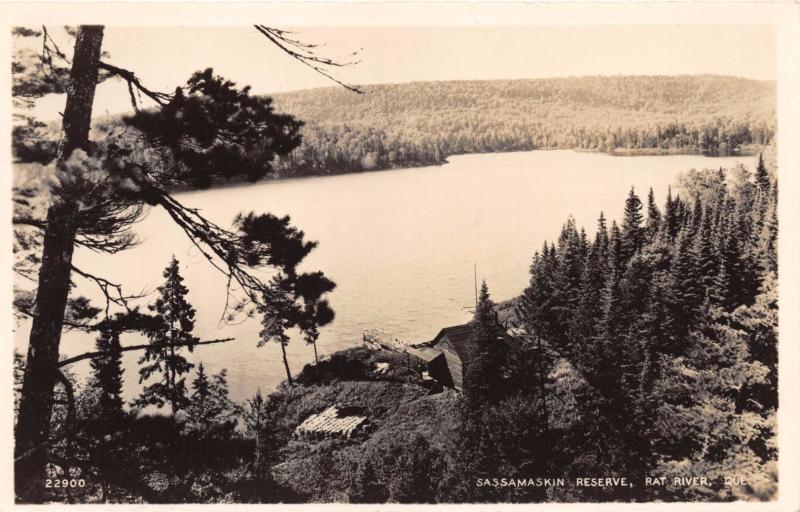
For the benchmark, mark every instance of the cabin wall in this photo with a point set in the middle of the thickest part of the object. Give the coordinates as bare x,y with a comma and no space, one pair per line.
454,364
438,370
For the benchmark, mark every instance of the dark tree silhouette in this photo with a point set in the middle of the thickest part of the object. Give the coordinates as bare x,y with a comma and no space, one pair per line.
484,376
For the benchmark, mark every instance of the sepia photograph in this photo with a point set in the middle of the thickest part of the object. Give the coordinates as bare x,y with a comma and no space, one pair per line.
420,261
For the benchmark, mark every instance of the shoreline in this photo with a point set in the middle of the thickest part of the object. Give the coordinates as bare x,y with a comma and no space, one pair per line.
619,152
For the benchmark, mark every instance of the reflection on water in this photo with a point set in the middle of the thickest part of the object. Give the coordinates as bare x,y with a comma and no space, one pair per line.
400,244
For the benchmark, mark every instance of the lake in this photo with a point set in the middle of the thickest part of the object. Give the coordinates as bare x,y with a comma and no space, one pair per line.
400,244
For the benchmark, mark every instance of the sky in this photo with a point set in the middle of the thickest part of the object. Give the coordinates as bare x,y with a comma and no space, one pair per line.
165,57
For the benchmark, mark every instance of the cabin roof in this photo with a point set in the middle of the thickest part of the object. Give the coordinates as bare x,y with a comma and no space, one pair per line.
427,354
460,336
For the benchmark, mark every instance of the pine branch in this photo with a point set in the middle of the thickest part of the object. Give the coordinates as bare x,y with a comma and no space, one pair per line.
107,353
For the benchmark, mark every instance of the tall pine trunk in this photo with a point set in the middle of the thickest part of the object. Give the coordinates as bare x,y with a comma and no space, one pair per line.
36,404
286,363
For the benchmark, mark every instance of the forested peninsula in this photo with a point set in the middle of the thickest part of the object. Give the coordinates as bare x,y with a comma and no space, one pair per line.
422,123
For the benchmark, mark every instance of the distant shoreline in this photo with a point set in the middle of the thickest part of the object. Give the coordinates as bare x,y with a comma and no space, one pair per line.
747,151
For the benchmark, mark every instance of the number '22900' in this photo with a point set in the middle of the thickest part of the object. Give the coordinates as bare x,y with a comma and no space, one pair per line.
64,483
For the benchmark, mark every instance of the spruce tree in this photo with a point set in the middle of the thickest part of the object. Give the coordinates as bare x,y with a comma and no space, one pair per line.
696,217
589,310
762,176
218,388
632,235
766,245
107,374
167,340
484,382
538,299
759,321
600,243
200,385
366,487
707,259
616,260
603,371
653,216
566,294
686,293
670,223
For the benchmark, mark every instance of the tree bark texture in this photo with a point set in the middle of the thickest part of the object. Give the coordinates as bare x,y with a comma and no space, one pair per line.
36,405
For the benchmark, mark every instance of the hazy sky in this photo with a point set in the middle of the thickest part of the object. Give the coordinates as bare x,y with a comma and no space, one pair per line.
165,57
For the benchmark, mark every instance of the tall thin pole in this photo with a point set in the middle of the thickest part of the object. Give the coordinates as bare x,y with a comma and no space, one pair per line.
475,269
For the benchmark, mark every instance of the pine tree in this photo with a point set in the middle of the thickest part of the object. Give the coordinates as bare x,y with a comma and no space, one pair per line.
198,409
671,221
484,376
571,254
616,259
589,310
686,293
766,245
707,259
200,385
632,235
760,323
728,284
762,176
366,487
218,394
538,298
166,342
600,243
696,217
107,374
653,216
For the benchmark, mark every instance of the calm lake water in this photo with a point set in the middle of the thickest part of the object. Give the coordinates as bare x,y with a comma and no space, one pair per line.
400,244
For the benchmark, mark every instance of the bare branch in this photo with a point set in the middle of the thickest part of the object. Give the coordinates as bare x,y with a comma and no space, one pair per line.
304,53
55,49
111,291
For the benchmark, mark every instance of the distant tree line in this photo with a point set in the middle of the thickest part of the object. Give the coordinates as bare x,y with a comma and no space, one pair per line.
422,123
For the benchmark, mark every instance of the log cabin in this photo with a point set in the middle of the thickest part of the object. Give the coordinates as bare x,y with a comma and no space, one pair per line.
447,355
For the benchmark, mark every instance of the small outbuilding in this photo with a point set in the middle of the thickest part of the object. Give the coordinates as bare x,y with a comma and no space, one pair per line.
334,421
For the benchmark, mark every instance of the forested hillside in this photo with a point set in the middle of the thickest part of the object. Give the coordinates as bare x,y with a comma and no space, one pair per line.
664,327
422,123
